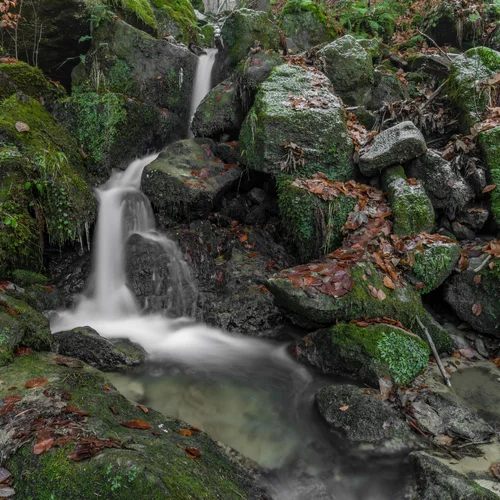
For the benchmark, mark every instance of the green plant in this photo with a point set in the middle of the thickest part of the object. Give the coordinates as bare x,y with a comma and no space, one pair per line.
406,357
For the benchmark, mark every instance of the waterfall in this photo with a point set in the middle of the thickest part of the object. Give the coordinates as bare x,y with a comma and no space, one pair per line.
202,81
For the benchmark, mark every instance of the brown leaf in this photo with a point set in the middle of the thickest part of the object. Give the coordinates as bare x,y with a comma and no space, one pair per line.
419,285
23,351
70,362
243,238
463,262
381,295
185,432
12,399
477,279
192,453
6,409
142,407
389,283
495,470
43,445
489,188
36,382
344,408
22,127
107,388
252,255
114,411
136,424
477,309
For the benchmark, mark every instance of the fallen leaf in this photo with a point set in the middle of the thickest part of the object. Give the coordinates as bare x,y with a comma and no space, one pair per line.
389,283
136,424
252,255
36,382
468,353
142,407
443,440
185,432
489,188
23,351
477,309
194,429
22,127
6,409
43,445
70,362
495,470
243,238
477,279
193,453
344,408
12,399
114,411
107,388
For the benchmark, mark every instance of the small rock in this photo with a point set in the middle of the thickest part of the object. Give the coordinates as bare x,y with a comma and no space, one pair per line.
462,232
473,217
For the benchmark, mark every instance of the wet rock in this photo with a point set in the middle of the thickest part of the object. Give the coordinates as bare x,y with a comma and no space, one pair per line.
387,89
447,190
462,232
433,64
412,210
296,107
366,353
393,146
473,217
436,480
402,304
185,181
349,67
219,113
86,344
305,25
366,421
462,293
151,465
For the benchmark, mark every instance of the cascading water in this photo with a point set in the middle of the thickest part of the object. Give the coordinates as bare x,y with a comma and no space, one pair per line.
202,81
246,392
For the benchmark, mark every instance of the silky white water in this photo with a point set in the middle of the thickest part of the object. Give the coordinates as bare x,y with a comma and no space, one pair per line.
202,81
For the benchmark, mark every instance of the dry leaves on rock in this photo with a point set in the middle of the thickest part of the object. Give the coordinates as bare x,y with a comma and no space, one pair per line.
136,424
36,382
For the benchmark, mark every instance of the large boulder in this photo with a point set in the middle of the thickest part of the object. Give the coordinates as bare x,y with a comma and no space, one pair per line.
186,181
128,61
474,296
349,292
305,25
349,67
241,29
297,127
113,129
394,146
97,442
368,352
86,344
412,210
364,420
446,188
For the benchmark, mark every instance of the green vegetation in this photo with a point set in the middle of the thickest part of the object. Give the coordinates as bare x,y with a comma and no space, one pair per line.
489,142
23,278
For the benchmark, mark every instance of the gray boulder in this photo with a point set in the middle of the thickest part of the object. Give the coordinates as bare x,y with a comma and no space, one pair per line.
394,146
349,67
185,181
86,344
387,89
366,421
446,188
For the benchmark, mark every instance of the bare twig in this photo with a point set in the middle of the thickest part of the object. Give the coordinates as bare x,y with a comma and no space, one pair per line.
434,94
435,353
435,45
485,261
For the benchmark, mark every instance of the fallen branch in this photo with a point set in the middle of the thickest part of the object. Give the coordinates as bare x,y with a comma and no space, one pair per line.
434,94
435,353
435,45
485,261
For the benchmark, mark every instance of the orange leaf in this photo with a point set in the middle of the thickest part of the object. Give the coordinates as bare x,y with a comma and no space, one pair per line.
42,445
252,255
142,407
36,382
344,408
136,424
107,388
477,309
489,188
389,283
243,238
185,432
193,453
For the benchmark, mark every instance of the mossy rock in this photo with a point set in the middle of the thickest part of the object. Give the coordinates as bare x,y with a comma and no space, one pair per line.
412,210
402,304
42,183
305,23
153,464
489,142
176,18
25,278
312,225
29,80
297,106
466,73
350,69
20,324
366,353
113,130
240,31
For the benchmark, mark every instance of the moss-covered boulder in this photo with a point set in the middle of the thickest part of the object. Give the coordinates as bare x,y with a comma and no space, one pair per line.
305,24
186,180
412,210
467,72
112,129
489,141
100,451
20,324
393,146
241,29
297,127
125,60
19,76
475,296
362,299
313,226
349,67
42,186
368,422
367,352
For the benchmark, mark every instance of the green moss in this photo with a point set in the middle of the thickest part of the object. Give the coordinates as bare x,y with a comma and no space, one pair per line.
182,14
140,8
25,278
207,33
490,146
312,226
